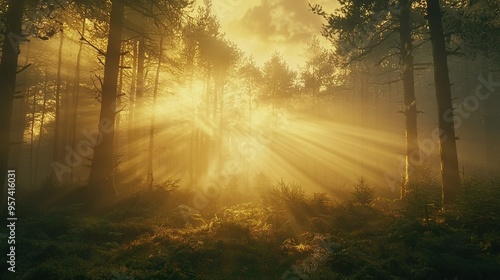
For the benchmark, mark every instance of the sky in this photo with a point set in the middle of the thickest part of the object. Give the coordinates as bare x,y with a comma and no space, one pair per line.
260,27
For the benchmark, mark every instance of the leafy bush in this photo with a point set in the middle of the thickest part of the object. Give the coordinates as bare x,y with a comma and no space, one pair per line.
249,217
422,202
363,193
287,194
321,203
479,204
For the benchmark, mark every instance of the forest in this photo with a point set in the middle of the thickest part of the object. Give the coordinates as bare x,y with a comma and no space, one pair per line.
232,139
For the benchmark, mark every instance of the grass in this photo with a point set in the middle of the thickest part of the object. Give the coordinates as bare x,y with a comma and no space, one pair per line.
286,235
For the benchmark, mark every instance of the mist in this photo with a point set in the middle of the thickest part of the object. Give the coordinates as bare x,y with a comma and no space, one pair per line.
268,128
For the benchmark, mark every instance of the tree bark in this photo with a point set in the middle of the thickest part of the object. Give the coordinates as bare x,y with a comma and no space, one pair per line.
131,148
57,120
32,133
447,140
8,69
410,102
150,178
101,179
76,93
42,123
119,103
139,128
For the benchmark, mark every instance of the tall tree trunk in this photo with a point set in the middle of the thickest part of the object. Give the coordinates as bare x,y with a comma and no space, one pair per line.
101,179
152,127
20,110
118,113
32,134
215,134
119,103
57,120
221,128
192,145
410,102
76,93
42,123
447,140
139,112
131,147
8,69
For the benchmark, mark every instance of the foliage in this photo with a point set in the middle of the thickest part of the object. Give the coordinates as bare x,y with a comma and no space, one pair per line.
363,193
475,27
278,81
349,240
478,204
289,194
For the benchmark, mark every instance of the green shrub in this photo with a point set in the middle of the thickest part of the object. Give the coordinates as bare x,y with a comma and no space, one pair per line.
287,194
363,193
478,204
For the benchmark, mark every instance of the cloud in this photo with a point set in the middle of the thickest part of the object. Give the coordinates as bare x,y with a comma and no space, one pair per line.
279,21
260,27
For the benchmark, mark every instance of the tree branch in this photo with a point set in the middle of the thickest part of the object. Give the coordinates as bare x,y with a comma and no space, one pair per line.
23,68
82,38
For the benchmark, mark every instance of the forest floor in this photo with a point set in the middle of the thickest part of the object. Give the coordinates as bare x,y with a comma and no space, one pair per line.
283,235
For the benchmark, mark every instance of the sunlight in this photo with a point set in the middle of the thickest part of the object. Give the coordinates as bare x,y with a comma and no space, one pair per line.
232,139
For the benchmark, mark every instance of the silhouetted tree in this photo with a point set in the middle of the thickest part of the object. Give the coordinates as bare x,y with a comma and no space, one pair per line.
101,178
12,35
362,28
447,140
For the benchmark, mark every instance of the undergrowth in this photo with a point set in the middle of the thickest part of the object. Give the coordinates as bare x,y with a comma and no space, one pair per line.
288,234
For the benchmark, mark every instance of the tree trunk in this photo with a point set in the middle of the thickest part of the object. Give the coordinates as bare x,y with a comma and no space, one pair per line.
101,179
119,103
447,140
32,133
8,69
76,93
42,122
139,128
131,148
57,120
152,127
221,126
19,117
410,102
192,145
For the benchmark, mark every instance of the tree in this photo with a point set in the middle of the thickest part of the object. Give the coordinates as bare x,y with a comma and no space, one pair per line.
76,91
278,88
57,124
361,28
150,178
318,73
476,25
278,81
101,178
252,76
215,58
12,36
252,80
410,101
447,140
